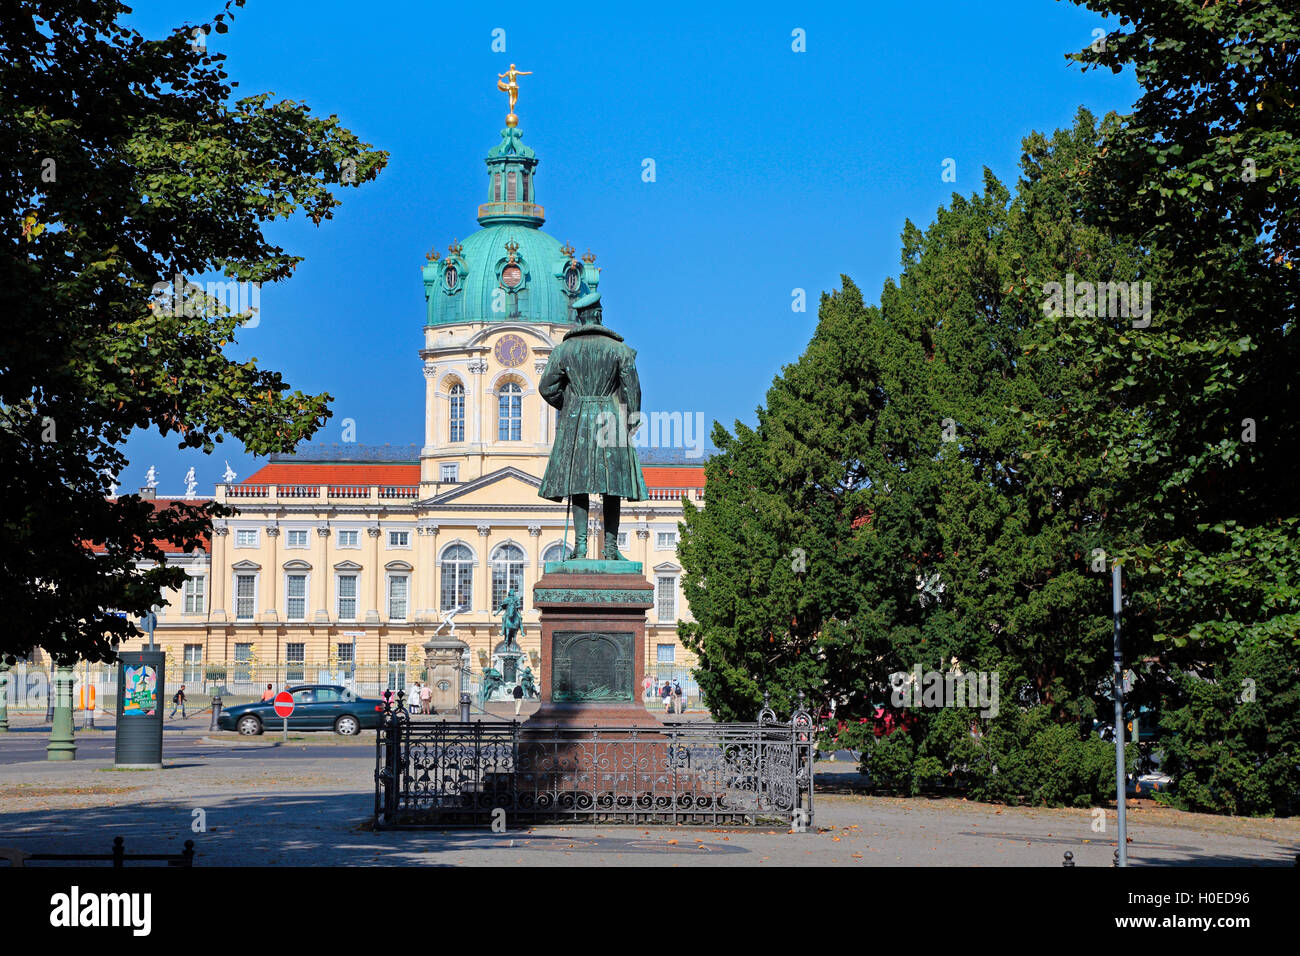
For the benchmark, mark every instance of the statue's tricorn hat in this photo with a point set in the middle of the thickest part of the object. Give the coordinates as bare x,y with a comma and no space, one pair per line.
588,308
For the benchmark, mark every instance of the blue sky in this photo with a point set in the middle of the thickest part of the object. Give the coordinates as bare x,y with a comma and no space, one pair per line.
775,170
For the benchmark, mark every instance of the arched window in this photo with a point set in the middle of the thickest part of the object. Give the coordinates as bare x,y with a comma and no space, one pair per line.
511,187
554,553
523,193
456,416
510,412
507,572
457,578
496,187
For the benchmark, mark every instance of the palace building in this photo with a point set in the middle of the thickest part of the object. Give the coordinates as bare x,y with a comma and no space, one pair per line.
346,559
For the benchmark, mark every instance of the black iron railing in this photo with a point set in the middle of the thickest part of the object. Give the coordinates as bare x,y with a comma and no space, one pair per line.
499,773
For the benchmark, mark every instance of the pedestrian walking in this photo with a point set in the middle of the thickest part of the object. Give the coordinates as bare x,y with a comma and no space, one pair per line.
519,697
178,700
426,699
648,687
677,696
413,698
666,694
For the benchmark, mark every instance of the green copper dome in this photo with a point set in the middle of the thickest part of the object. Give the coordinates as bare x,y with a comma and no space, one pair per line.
508,271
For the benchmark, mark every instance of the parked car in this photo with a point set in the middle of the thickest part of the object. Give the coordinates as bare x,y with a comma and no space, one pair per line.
315,707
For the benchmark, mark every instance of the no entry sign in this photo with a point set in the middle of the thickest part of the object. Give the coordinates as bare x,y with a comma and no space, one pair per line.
283,704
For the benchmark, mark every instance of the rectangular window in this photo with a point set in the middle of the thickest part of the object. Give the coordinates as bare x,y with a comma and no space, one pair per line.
193,671
451,472
246,538
667,654
512,189
397,667
666,539
622,539
243,658
297,539
666,599
347,609
348,539
399,539
294,656
343,652
195,585
245,597
295,597
397,590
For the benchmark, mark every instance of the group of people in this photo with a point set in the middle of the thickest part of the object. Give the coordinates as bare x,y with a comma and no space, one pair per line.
672,695
419,699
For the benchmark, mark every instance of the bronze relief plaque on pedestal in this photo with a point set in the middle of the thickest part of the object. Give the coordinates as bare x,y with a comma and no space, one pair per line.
592,665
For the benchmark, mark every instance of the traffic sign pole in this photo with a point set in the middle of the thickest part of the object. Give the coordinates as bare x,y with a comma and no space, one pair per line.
284,709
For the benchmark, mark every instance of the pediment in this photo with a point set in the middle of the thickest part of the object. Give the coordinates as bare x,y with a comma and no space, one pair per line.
347,566
504,486
245,565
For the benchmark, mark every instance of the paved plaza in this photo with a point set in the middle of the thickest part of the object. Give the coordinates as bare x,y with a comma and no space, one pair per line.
309,803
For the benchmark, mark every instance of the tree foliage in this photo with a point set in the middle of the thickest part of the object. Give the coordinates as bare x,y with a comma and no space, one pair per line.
129,165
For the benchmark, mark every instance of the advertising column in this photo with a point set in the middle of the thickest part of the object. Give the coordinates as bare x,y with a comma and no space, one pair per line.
141,680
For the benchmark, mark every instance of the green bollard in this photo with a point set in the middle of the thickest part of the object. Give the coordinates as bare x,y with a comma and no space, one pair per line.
63,743
4,698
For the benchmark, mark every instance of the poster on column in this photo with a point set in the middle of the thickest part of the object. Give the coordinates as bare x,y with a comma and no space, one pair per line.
140,697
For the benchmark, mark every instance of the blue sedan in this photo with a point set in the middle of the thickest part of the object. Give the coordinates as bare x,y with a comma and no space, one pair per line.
315,707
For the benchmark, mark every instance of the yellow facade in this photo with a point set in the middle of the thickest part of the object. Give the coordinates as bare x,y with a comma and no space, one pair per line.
323,526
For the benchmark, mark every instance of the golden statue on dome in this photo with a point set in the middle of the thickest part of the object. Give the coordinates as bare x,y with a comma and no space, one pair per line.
508,83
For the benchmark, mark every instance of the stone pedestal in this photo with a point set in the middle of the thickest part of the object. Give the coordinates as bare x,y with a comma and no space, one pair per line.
593,643
444,657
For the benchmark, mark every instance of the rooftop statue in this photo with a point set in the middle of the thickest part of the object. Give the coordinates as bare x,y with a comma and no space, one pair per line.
591,379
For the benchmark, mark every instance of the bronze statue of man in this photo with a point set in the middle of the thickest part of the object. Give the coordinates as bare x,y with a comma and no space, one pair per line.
591,379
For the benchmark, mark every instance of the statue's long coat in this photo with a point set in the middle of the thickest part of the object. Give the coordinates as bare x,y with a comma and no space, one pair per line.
589,375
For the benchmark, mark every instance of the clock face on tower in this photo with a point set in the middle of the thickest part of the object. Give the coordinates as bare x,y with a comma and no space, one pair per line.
511,351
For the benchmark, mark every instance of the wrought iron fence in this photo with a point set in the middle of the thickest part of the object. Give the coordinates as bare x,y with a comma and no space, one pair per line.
483,773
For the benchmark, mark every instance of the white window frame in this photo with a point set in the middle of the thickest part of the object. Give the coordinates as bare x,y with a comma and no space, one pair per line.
451,466
234,593
672,543
289,537
659,584
306,592
241,532
355,537
191,590
388,595
399,547
659,654
338,594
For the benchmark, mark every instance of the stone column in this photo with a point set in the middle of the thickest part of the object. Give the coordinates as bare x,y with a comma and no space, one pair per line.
475,396
485,575
273,575
430,406
427,575
220,572
322,574
376,574
544,410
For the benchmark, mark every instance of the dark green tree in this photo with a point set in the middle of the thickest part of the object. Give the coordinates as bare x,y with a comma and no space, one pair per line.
128,164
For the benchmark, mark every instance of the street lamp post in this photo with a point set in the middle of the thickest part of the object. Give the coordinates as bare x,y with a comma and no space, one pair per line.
1121,777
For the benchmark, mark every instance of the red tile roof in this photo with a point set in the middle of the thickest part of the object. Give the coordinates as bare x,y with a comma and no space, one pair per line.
668,476
370,473
334,473
166,546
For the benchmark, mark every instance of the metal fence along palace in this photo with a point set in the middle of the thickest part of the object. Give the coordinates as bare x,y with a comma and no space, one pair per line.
444,774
